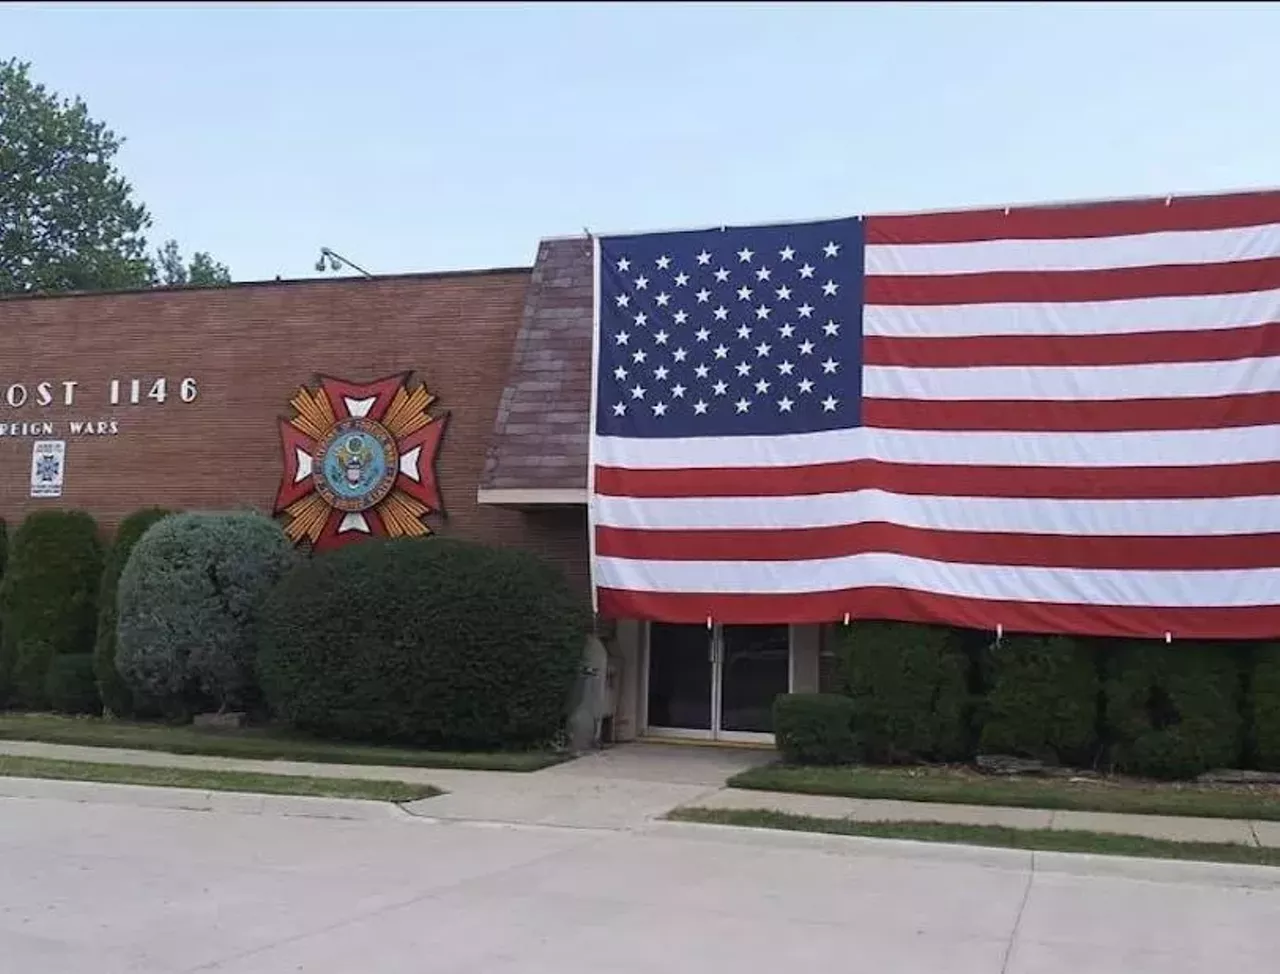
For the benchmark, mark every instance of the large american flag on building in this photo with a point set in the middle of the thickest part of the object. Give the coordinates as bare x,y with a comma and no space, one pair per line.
1060,419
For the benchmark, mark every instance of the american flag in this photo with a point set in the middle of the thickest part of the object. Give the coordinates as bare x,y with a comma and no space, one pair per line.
1059,419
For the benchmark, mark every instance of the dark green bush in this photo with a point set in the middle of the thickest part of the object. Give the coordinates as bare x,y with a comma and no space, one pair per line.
4,560
428,641
117,698
188,601
71,686
1264,702
815,728
910,688
1176,710
48,600
1043,700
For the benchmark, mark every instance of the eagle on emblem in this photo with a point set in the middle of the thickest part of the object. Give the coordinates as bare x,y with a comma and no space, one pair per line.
354,456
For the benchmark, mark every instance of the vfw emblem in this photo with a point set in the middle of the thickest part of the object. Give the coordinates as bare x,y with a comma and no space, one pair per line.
359,461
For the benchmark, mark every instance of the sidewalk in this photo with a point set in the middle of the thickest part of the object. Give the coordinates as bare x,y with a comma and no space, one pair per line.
630,786
1169,827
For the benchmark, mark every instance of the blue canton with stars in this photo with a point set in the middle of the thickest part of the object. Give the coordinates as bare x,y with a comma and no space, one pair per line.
745,331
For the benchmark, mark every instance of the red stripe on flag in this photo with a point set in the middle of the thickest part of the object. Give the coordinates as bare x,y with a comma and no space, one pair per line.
1074,416
945,480
1206,553
1108,284
1090,220
1244,622
1143,348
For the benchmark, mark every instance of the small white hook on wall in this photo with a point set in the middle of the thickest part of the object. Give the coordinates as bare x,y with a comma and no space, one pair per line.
846,618
999,632
1168,637
708,622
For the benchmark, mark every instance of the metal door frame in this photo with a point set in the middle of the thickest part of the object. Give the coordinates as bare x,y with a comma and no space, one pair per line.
715,659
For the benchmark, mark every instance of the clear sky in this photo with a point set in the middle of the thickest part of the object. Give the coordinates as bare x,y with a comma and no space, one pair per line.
436,137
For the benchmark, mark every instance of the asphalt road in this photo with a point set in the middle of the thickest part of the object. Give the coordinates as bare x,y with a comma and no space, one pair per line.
107,888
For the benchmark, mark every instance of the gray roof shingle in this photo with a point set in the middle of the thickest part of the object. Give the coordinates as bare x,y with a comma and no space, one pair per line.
540,433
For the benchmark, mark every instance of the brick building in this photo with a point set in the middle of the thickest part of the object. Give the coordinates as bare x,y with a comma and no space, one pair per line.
176,398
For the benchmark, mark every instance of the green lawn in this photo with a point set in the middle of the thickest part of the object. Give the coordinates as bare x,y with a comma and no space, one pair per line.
259,743
962,786
1040,840
270,784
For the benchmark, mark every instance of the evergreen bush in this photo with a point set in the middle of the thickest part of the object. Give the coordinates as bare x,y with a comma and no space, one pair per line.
429,641
116,696
48,600
188,601
1043,700
71,686
1264,700
1174,710
815,728
910,689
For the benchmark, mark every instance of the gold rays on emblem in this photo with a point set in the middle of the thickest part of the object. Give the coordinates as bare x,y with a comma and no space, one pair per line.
308,516
408,412
401,515
314,412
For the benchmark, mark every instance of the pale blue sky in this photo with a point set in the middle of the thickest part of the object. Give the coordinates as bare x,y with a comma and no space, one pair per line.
435,137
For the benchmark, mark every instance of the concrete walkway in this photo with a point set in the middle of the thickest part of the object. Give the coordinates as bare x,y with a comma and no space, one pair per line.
623,788
1170,827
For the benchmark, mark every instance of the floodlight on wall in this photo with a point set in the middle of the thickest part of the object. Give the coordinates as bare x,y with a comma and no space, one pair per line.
332,260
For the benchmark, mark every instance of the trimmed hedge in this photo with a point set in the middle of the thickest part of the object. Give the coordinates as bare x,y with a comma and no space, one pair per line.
48,600
4,561
910,688
188,602
429,641
117,698
1044,700
1264,705
1176,710
71,685
815,728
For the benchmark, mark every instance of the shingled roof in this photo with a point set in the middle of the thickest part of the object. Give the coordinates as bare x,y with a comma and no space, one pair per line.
538,451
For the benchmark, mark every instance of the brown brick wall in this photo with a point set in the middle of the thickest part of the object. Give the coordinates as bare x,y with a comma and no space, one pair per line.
249,347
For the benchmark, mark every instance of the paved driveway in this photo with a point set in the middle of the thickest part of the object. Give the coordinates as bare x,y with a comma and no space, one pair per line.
108,888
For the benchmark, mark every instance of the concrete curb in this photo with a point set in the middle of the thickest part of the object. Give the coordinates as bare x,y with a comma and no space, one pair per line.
197,800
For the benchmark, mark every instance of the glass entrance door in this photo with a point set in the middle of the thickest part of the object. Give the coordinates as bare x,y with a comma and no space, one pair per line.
679,693
754,664
718,683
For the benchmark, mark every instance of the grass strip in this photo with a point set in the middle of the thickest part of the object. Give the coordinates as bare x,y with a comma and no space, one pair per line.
248,781
953,786
265,744
998,836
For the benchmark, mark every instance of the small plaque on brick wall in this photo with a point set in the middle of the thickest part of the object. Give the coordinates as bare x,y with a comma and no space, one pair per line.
48,467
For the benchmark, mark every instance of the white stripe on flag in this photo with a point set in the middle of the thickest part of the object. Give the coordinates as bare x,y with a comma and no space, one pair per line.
1017,515
1078,254
1166,380
1244,587
1190,448
1192,313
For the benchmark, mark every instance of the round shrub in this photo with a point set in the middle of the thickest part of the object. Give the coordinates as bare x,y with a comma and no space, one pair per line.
4,560
910,689
1043,701
815,728
1265,705
48,600
1174,711
71,686
428,640
188,601
116,695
